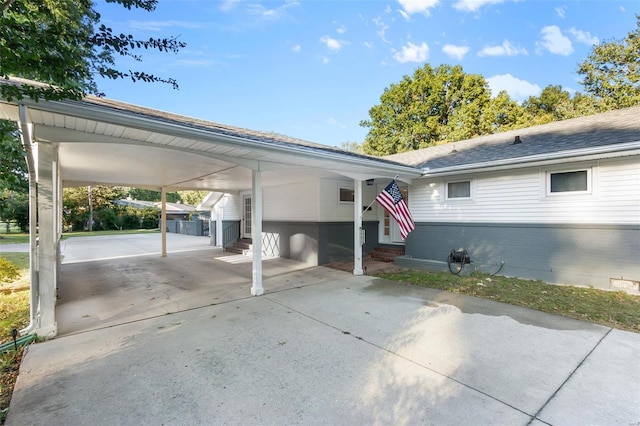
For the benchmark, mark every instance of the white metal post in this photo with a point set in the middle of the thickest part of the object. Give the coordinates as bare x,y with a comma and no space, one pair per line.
357,226
256,232
163,220
47,251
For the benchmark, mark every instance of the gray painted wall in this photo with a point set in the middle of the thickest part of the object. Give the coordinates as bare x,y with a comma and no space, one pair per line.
585,255
318,243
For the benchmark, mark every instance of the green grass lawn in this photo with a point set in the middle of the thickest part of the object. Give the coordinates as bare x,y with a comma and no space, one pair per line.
14,313
14,297
14,238
613,309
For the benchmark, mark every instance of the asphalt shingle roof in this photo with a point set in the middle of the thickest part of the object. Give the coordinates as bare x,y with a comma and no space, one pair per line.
599,130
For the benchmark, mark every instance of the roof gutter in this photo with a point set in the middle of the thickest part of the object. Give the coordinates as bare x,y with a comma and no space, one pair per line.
572,156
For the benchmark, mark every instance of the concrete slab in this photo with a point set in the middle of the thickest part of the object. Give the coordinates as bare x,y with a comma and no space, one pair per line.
320,347
606,383
130,282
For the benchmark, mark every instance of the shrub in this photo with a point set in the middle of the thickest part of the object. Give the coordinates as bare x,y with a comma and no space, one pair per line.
8,271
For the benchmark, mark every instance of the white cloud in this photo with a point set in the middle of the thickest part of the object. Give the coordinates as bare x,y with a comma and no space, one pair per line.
381,29
560,11
296,48
583,37
413,53
162,25
332,44
474,5
323,59
409,7
554,41
504,49
333,122
260,10
368,44
341,29
516,88
456,52
228,4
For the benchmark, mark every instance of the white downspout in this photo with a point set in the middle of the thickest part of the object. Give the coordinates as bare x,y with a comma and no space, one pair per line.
26,137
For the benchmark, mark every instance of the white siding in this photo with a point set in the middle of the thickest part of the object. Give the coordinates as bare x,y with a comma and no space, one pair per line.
231,207
520,196
332,210
293,202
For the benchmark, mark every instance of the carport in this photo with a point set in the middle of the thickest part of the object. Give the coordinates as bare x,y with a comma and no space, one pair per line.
98,141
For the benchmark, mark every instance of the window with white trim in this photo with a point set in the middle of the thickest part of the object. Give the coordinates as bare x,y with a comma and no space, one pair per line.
459,190
347,195
571,181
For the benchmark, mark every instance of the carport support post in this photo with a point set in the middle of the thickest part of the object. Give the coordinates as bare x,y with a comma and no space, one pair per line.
357,226
48,247
163,220
256,232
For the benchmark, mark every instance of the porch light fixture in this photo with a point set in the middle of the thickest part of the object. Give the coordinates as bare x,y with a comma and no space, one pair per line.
370,182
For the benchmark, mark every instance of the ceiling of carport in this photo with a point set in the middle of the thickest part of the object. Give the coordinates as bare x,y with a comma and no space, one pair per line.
101,141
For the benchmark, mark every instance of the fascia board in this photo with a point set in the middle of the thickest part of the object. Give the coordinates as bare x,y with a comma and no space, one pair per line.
572,156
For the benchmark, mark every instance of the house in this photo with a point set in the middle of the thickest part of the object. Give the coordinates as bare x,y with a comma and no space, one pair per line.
558,202
312,194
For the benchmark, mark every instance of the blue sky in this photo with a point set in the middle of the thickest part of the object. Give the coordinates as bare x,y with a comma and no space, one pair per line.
313,69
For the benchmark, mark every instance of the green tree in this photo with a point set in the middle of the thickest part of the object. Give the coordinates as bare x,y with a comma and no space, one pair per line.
14,181
150,195
192,197
14,207
611,71
352,147
62,44
13,168
434,106
76,203
503,114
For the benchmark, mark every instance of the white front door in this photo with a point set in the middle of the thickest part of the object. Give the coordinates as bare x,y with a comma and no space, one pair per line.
245,230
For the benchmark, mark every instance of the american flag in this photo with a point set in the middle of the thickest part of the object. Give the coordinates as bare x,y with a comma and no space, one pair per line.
391,199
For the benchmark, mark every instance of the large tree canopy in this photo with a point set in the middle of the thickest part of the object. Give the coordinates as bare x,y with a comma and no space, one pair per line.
434,106
62,43
611,72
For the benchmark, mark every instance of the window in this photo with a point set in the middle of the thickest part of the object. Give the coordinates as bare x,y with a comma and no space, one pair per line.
571,181
347,195
459,190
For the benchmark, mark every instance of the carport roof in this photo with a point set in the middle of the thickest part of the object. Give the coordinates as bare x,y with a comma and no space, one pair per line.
103,141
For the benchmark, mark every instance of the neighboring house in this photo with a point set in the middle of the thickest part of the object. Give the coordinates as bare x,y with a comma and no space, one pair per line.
558,202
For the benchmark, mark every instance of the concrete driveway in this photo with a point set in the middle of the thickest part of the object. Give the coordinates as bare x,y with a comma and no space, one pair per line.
320,347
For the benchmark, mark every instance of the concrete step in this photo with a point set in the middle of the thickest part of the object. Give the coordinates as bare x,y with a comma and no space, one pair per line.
243,246
387,253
